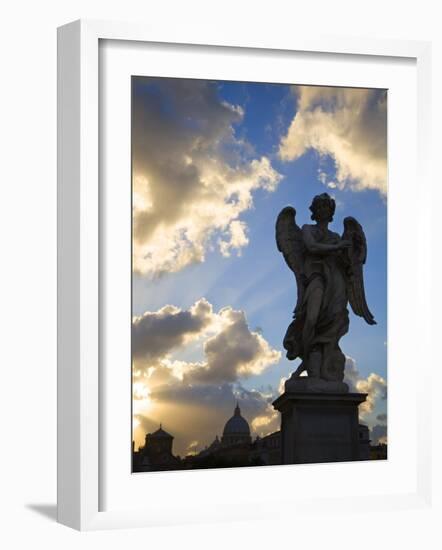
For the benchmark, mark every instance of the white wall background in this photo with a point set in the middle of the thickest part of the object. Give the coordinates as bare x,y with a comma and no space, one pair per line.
28,268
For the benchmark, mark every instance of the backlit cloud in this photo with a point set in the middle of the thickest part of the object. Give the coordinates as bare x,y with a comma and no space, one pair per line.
155,334
235,351
374,385
378,433
192,176
347,124
230,349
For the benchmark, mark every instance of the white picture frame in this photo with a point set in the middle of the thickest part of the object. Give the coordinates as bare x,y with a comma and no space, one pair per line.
79,276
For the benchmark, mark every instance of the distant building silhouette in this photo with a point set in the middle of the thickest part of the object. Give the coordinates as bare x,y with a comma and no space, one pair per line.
236,430
378,452
156,453
235,448
268,449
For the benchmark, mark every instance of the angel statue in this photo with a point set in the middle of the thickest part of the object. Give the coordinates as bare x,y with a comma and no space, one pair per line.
329,274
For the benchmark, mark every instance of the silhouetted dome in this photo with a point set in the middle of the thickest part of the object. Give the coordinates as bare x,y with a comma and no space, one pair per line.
237,425
160,433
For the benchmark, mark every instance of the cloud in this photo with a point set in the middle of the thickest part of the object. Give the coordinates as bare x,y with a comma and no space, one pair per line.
378,434
156,333
376,388
267,422
192,447
235,351
237,238
230,348
374,385
352,374
347,124
281,386
192,176
193,398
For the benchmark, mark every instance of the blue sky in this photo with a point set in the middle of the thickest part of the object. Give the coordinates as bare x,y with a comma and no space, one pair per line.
312,140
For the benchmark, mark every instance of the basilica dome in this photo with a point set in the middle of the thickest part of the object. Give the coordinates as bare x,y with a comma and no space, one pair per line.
236,430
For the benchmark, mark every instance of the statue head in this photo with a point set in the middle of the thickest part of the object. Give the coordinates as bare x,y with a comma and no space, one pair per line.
323,207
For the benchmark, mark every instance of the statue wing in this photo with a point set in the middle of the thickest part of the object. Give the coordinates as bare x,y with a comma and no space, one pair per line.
290,243
356,256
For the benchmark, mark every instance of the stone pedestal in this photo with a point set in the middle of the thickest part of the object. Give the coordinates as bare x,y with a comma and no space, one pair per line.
319,426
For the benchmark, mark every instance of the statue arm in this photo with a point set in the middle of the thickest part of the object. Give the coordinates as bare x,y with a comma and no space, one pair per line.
313,246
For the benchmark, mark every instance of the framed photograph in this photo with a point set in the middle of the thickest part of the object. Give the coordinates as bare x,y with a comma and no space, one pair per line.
234,255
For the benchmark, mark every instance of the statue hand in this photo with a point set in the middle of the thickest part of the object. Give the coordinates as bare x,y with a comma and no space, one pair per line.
344,244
